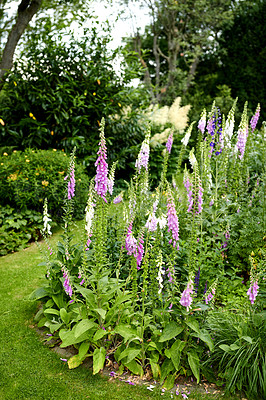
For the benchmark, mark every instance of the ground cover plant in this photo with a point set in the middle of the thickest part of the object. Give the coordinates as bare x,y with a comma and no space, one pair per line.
28,369
135,292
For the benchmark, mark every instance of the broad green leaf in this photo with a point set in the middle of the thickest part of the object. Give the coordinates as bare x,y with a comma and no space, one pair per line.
135,367
98,359
130,353
175,352
170,331
167,352
39,293
234,346
99,334
193,324
54,327
247,339
83,349
68,337
193,361
206,338
126,332
101,312
64,315
170,381
83,326
74,362
166,368
51,311
156,371
225,348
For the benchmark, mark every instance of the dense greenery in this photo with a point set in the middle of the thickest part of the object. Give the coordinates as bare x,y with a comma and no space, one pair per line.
27,178
116,294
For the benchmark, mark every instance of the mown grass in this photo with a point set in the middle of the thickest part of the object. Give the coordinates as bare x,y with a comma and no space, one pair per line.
28,368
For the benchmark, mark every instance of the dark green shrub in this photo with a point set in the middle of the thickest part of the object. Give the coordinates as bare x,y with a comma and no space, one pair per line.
18,228
27,178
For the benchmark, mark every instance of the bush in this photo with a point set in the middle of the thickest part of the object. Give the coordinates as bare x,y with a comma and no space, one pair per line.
27,178
17,229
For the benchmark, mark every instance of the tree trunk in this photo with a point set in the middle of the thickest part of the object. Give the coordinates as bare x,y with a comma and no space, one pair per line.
26,10
191,74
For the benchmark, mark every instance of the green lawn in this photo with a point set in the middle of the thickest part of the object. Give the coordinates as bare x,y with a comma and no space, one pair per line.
28,368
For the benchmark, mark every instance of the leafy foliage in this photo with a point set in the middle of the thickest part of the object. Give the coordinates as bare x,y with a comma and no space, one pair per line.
27,178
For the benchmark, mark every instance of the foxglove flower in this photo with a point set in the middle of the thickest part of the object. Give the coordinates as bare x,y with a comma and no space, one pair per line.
66,284
242,133
209,296
131,241
169,142
186,298
143,157
254,119
101,179
202,122
151,223
187,135
253,291
118,199
172,219
46,219
161,272
71,176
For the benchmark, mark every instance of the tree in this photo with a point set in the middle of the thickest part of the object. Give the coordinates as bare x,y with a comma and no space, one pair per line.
173,44
26,10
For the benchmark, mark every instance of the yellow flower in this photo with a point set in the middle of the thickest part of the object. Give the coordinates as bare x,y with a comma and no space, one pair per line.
2,122
37,173
61,172
32,116
94,94
2,163
5,154
52,133
45,183
15,83
98,81
12,177
14,151
119,104
54,150
27,160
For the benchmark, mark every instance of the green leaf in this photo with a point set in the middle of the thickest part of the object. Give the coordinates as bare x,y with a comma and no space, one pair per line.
135,367
156,371
247,339
126,332
74,362
101,312
166,368
51,311
98,359
170,331
225,348
234,347
99,334
39,293
130,353
83,326
193,324
193,361
83,349
170,381
175,352
65,317
68,337
206,338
